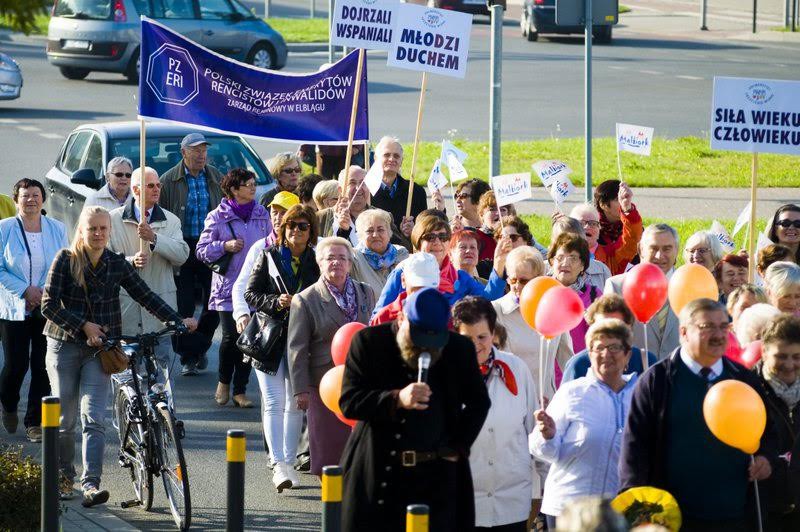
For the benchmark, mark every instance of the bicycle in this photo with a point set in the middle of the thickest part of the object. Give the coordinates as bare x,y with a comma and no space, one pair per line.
149,434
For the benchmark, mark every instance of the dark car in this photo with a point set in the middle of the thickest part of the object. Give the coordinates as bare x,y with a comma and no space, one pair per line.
539,16
475,7
80,166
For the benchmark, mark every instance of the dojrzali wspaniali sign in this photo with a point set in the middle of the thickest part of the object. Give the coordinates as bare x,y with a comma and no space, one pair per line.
183,82
364,23
431,40
756,115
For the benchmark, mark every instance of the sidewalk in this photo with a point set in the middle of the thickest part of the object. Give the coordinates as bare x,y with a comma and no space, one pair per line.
77,518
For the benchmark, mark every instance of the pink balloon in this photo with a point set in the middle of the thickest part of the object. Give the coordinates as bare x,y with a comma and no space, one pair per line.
560,310
341,341
644,289
734,350
751,354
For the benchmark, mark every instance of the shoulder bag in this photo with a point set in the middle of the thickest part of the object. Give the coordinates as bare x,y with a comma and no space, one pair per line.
221,265
112,360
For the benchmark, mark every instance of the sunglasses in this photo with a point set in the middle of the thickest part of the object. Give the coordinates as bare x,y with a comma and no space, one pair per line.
432,237
151,186
514,237
789,223
122,174
461,195
291,170
302,226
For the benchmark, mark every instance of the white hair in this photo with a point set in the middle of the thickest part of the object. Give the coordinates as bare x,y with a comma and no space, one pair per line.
752,322
781,277
707,238
370,216
388,139
526,255
583,208
654,229
118,161
343,175
324,243
136,176
324,190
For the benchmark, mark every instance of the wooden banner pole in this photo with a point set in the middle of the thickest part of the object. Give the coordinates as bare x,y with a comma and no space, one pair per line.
354,114
416,143
751,248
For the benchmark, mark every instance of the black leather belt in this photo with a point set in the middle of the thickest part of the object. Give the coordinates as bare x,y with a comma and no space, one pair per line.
412,458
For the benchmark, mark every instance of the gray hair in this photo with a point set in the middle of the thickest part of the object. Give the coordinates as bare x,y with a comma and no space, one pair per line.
565,224
753,321
324,243
386,139
277,163
526,255
740,291
612,327
117,161
370,216
702,304
709,239
136,176
781,277
324,190
654,229
583,208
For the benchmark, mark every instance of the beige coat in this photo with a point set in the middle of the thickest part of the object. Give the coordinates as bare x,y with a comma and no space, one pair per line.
314,318
102,198
169,252
363,272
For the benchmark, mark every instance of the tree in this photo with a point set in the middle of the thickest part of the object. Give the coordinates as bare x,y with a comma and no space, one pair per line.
20,15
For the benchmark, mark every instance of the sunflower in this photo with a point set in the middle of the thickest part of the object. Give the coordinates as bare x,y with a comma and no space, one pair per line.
646,504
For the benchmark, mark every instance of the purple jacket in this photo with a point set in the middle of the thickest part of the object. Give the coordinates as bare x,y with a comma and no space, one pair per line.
213,238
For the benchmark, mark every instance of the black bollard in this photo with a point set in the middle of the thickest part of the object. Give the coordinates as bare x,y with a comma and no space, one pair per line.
331,499
417,518
236,452
51,421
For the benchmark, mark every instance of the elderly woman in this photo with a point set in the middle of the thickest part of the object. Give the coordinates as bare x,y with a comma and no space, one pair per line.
580,432
115,192
779,373
615,255
499,458
464,253
326,194
375,256
753,321
569,259
81,304
270,278
782,283
315,314
28,244
731,273
739,300
286,168
704,249
597,273
785,229
231,229
432,235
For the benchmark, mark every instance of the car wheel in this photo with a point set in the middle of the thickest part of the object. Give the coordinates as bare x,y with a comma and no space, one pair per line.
74,73
132,72
261,56
602,35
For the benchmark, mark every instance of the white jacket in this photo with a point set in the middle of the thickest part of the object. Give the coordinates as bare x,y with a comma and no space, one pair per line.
501,464
169,252
103,198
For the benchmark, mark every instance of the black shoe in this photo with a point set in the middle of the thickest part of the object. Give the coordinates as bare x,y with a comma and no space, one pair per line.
189,370
92,496
10,421
181,432
202,362
303,463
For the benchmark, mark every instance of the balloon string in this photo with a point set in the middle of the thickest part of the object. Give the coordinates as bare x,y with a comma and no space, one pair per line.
758,498
541,368
645,365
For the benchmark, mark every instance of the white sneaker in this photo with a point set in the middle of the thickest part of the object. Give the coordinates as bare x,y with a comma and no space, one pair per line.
292,474
280,477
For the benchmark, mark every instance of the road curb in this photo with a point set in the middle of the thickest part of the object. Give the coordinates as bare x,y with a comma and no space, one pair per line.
770,36
75,517
308,47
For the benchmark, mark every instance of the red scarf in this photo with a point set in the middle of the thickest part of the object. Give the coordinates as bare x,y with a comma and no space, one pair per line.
503,371
448,276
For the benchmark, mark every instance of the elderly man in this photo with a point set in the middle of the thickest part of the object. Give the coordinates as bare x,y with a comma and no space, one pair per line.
659,245
667,443
340,220
392,197
117,188
412,442
165,249
190,190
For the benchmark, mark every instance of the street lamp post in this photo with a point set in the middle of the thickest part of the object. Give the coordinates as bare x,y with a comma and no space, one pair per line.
495,88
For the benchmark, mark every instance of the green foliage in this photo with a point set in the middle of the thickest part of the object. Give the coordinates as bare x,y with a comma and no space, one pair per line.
22,15
299,30
20,490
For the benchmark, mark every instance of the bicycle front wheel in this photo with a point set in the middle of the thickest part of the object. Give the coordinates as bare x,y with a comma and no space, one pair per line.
134,450
173,469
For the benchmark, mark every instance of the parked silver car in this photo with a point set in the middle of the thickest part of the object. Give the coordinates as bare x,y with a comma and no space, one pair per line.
104,35
79,168
10,78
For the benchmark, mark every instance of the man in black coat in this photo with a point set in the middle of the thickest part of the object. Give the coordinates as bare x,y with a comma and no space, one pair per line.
412,442
667,443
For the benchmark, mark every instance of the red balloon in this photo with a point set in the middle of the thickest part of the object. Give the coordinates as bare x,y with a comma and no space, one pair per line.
349,422
341,341
644,289
751,354
560,310
734,350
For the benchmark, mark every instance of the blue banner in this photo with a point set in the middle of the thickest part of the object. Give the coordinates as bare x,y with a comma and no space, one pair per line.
183,82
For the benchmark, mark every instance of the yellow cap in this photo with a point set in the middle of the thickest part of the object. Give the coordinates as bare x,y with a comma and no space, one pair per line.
285,199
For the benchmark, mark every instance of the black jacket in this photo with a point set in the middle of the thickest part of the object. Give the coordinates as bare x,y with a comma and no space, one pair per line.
377,487
396,206
643,456
262,291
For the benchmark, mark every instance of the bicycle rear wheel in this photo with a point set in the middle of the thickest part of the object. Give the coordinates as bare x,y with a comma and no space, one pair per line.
173,469
133,451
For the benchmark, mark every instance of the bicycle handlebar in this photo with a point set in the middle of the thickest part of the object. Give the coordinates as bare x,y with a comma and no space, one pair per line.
171,328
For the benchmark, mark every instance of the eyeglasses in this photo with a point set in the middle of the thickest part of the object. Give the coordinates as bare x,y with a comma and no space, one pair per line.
514,236
151,186
788,223
292,170
302,226
380,230
461,195
432,237
698,251
613,349
250,184
518,280
590,223
121,174
567,259
709,327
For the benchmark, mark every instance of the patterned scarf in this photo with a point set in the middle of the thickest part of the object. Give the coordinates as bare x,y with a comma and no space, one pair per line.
580,283
346,300
376,260
610,232
789,393
503,371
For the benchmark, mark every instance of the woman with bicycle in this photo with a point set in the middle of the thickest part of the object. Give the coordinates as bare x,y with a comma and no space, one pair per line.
278,272
81,304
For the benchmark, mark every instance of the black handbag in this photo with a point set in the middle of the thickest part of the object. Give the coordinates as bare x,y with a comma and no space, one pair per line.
263,340
221,265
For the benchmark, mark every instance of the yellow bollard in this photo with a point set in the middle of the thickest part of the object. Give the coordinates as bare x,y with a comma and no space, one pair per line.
417,518
236,445
51,422
331,499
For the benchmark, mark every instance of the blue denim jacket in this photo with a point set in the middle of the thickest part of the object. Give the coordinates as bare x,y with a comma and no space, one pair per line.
15,265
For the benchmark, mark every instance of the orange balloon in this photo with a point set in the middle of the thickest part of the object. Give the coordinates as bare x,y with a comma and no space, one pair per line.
690,282
531,295
330,389
735,414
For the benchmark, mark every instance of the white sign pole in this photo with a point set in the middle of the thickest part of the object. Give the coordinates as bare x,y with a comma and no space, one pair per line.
619,157
751,248
143,247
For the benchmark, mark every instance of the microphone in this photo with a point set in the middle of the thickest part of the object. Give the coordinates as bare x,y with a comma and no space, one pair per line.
423,363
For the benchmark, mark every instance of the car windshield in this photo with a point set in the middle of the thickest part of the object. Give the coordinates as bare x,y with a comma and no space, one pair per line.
83,9
163,153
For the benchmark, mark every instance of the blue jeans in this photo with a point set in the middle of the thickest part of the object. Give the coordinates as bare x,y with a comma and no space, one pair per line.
77,378
282,420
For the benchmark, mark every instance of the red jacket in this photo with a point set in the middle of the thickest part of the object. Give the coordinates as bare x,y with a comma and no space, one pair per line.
618,254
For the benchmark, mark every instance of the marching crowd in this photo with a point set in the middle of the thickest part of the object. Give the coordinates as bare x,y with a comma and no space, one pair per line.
497,435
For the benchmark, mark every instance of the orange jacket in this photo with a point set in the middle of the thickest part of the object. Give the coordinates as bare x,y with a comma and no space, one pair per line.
617,255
